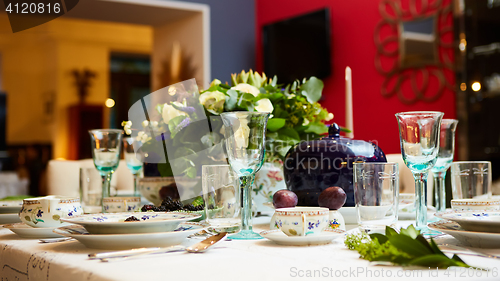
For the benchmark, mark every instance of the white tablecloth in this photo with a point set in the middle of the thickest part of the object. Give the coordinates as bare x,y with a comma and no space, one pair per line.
27,259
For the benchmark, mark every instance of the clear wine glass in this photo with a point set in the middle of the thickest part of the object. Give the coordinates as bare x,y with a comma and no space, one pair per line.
244,138
444,160
419,138
133,163
106,149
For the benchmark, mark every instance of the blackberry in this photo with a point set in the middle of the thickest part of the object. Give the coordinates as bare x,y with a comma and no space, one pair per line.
146,208
190,207
132,218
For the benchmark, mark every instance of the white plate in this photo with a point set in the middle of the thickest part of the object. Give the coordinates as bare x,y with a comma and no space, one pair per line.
469,238
350,215
25,231
9,218
130,241
326,237
114,223
485,221
10,207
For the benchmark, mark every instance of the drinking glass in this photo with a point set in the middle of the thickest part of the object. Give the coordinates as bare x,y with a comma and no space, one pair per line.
376,194
133,164
106,148
419,139
221,194
90,190
471,180
244,138
443,162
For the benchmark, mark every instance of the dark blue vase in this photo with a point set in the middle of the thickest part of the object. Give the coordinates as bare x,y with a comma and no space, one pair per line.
312,166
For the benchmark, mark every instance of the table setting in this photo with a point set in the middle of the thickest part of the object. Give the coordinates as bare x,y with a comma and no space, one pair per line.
345,216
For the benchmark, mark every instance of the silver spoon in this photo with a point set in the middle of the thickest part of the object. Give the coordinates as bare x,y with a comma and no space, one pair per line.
196,248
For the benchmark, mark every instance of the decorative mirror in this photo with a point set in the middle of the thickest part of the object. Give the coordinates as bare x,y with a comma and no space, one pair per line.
414,49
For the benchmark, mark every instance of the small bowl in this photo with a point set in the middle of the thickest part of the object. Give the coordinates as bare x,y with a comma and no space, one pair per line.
475,204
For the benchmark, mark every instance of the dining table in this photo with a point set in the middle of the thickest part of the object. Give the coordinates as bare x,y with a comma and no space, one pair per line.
29,259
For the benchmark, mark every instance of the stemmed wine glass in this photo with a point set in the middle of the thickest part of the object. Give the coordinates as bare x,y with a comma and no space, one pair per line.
419,137
133,164
245,137
444,160
106,148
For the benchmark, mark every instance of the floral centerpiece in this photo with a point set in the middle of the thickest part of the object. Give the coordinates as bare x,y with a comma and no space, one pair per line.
296,115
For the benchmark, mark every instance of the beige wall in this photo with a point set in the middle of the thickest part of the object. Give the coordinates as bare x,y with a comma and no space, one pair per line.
39,61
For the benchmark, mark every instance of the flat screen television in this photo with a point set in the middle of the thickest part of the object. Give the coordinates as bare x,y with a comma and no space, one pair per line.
298,47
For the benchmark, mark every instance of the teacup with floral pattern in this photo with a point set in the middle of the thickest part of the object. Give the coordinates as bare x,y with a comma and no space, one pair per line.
302,221
121,204
46,211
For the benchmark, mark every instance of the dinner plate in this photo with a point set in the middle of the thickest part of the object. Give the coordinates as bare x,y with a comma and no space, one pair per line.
9,218
481,221
325,237
469,238
25,231
10,207
130,241
114,223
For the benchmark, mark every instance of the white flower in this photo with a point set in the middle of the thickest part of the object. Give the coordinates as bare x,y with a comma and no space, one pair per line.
264,105
218,96
154,123
145,123
306,122
246,88
169,112
142,137
127,125
329,117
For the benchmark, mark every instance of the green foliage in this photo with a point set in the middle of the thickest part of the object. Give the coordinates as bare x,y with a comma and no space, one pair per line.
408,247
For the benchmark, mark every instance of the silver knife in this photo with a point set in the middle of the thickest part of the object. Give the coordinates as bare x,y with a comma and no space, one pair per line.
135,252
196,248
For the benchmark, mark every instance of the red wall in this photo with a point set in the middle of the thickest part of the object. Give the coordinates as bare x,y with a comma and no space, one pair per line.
352,44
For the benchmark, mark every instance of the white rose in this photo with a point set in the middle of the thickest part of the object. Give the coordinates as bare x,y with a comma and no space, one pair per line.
264,105
247,88
169,112
218,96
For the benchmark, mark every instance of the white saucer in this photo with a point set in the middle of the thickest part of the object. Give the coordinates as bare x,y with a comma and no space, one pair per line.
326,237
114,223
25,231
130,241
485,221
469,238
9,218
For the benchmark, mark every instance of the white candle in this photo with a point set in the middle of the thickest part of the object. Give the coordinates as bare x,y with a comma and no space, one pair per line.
348,102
